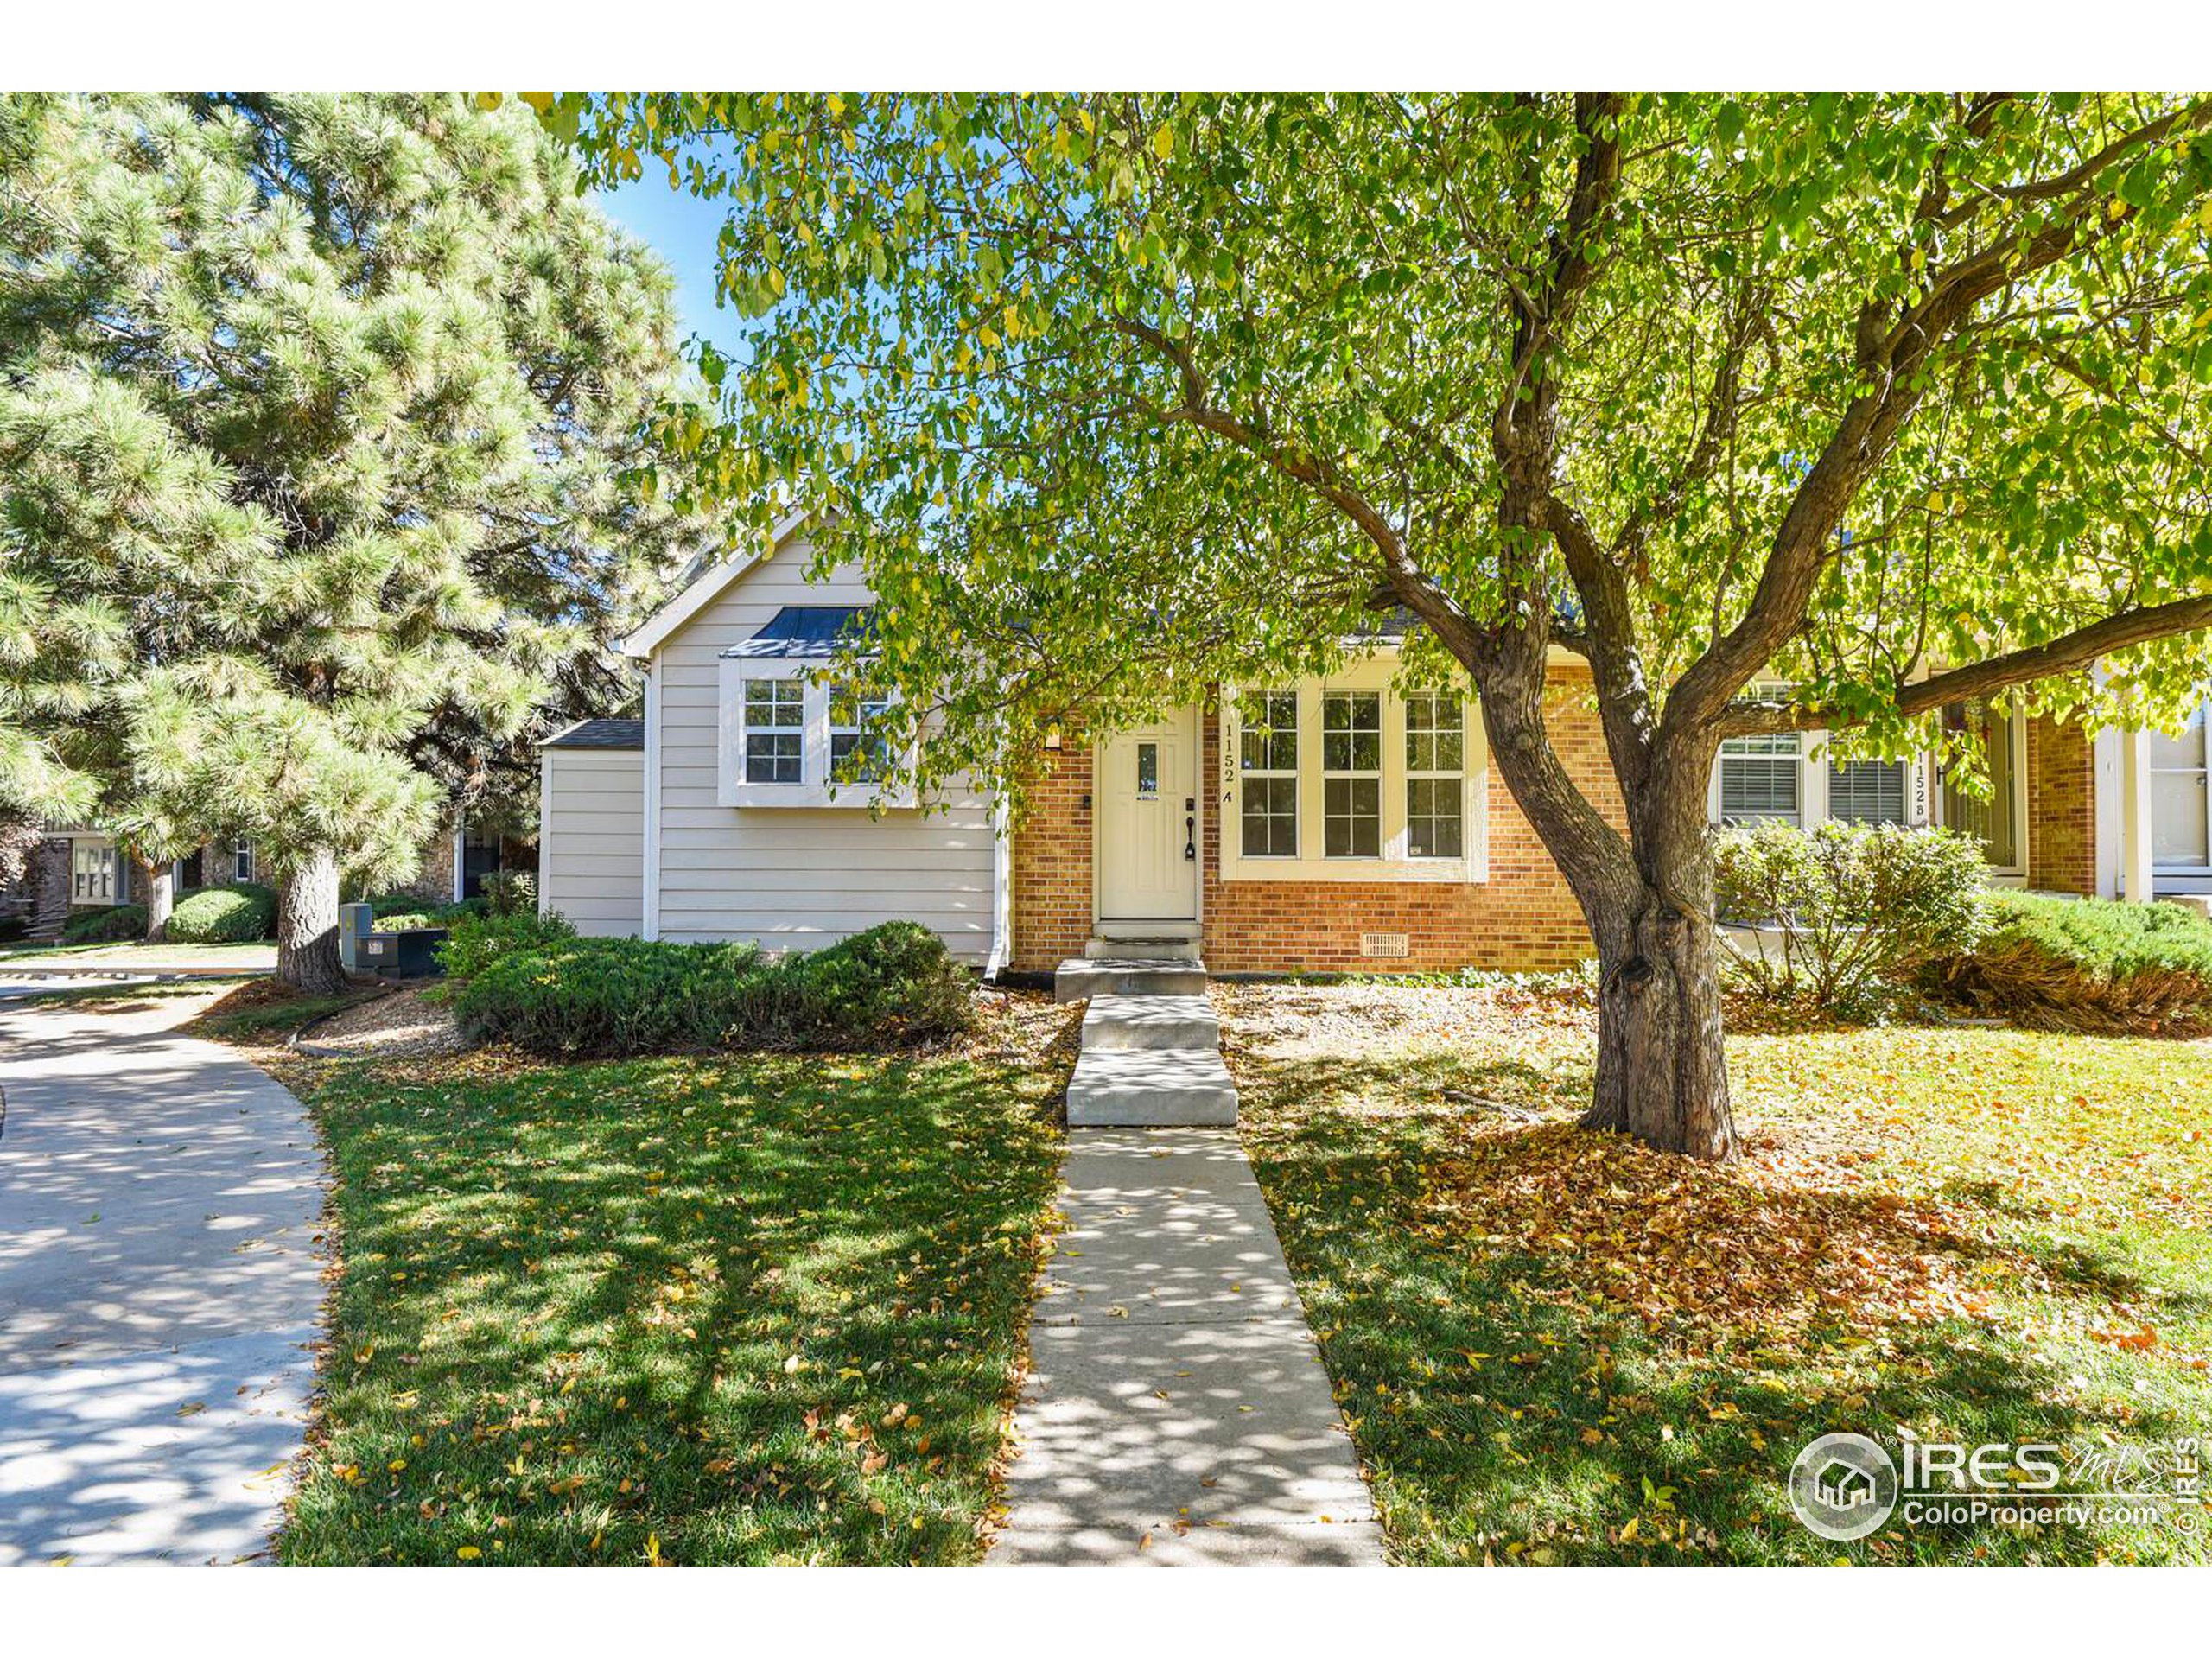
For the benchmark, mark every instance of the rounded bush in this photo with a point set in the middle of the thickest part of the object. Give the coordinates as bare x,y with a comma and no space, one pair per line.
233,915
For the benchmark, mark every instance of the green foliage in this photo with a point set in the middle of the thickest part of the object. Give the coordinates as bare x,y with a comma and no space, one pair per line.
401,921
104,923
479,939
1068,370
510,892
386,906
316,413
2085,965
1856,907
893,985
775,1307
231,915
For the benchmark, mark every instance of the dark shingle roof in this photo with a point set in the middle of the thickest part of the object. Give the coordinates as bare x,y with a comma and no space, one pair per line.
600,735
806,631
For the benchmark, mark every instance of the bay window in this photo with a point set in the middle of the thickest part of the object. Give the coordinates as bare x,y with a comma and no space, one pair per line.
95,874
790,738
858,751
1353,779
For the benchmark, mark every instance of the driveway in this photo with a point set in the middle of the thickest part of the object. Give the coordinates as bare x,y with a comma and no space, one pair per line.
160,1287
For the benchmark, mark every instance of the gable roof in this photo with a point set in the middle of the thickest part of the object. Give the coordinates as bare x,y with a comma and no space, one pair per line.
702,590
600,735
807,631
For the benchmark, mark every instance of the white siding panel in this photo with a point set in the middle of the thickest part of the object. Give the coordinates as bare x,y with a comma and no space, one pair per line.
797,879
591,863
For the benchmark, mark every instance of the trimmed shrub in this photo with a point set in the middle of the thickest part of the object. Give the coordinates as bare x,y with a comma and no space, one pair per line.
895,983
400,921
510,893
577,999
2084,964
574,998
1857,906
477,939
104,926
232,915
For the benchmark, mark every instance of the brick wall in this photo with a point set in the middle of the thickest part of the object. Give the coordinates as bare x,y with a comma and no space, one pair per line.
1052,860
2062,808
1522,916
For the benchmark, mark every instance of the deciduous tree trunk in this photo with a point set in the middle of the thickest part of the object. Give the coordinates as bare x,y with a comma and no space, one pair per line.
307,925
1662,1073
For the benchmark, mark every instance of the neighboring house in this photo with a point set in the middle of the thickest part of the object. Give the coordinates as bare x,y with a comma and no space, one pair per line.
75,868
1325,824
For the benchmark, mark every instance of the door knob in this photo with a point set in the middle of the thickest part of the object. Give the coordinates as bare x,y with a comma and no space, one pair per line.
1191,836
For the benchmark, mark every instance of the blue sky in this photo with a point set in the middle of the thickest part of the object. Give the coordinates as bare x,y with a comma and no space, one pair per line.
683,229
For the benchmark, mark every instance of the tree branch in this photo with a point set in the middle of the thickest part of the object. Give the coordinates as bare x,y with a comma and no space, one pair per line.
2068,653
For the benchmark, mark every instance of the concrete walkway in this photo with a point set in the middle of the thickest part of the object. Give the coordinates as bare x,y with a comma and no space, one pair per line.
160,1285
1176,1411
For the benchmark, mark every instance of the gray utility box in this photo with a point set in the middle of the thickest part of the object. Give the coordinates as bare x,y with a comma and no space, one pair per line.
411,953
355,923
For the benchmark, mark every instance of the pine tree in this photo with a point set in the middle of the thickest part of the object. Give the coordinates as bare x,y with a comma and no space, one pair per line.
318,416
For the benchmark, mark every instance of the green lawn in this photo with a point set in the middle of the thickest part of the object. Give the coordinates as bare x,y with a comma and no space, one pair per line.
690,1310
246,956
1555,1346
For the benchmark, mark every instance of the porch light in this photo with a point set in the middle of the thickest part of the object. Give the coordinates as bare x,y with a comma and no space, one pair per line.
1053,735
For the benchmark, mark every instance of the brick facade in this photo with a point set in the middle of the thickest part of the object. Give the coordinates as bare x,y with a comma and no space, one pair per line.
2062,808
1522,916
1051,873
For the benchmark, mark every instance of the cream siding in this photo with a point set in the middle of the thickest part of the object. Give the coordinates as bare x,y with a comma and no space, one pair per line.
796,878
592,839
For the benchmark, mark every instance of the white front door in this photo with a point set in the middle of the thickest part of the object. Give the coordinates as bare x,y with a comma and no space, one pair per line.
1146,788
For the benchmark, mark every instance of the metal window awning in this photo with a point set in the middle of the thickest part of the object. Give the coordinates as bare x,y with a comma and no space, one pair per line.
807,631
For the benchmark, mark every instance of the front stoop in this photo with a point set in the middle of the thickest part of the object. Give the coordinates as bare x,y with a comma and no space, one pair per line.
1151,1054
1086,976
1151,1088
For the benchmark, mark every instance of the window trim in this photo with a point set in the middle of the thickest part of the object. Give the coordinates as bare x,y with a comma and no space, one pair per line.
2203,773
1351,775
102,886
1410,774
1377,672
1923,792
2014,875
1238,772
242,861
814,789
1802,755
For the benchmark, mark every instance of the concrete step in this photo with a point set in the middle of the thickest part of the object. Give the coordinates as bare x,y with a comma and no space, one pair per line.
1146,1088
1081,976
1120,1022
1142,947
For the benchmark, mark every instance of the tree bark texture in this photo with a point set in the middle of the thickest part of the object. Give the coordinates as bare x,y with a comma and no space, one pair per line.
307,926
